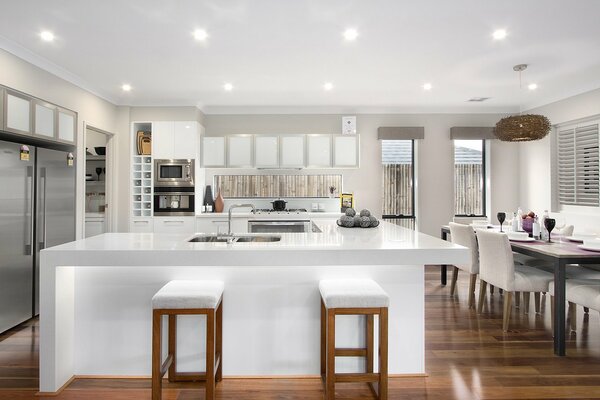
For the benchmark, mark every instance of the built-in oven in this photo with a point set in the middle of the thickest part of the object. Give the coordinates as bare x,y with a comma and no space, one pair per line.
178,173
171,201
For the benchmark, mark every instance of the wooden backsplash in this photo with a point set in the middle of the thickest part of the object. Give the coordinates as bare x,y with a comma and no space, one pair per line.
277,185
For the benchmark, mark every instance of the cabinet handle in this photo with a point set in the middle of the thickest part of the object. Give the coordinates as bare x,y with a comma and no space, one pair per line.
140,222
219,222
173,222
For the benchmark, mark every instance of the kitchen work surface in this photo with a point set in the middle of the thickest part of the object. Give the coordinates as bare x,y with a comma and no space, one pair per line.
561,253
96,316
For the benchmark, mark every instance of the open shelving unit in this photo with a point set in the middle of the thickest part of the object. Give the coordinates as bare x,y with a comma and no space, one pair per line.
141,175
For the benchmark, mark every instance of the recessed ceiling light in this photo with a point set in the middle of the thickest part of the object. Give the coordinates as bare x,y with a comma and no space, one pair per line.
328,86
228,87
350,34
499,34
47,36
200,35
427,86
126,87
532,86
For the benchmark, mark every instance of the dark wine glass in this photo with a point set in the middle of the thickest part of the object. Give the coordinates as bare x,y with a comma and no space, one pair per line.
98,172
501,218
549,223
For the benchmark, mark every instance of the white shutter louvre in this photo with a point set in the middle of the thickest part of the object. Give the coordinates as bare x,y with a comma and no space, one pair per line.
578,165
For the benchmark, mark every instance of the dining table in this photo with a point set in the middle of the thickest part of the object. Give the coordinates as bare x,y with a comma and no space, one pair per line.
562,253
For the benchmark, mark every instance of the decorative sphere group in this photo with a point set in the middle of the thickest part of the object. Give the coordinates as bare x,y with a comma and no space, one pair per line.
364,219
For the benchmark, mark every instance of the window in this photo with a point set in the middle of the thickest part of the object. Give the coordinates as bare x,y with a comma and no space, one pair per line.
398,162
239,186
578,164
469,178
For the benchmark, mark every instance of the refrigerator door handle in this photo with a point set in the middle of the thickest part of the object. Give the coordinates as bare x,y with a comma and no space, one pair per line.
42,226
29,211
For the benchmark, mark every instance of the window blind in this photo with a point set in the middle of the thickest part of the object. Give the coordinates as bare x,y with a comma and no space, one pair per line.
578,165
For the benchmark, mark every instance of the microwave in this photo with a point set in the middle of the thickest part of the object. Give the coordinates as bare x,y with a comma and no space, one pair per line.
174,173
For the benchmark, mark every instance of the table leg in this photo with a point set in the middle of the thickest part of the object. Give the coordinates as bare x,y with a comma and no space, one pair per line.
444,269
559,308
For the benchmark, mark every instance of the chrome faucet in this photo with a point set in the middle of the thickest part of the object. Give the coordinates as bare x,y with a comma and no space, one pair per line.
229,233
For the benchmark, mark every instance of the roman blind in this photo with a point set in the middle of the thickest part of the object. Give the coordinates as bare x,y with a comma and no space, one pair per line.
578,167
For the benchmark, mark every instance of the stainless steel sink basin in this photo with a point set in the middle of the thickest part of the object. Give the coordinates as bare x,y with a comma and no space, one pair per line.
234,239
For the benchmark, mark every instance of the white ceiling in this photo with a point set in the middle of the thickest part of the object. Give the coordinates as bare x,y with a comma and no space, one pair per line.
278,53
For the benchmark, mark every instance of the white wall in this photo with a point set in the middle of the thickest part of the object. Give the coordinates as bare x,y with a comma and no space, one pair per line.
536,167
434,157
25,77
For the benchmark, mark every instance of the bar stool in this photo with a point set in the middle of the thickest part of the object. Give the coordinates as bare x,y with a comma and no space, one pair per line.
354,297
188,298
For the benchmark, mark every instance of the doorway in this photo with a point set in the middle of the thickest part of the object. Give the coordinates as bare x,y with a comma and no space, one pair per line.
98,181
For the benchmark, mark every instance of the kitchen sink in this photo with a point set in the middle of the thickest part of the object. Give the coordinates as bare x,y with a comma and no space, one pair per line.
234,239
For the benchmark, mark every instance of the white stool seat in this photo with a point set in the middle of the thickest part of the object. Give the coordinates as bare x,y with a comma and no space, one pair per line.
352,293
585,292
188,294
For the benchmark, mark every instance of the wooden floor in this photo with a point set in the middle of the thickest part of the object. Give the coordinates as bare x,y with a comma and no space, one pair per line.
467,357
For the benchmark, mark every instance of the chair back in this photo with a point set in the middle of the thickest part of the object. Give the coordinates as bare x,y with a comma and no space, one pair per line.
496,263
464,235
567,230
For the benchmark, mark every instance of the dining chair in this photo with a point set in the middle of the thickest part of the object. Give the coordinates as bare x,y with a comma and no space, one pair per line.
497,267
464,235
584,292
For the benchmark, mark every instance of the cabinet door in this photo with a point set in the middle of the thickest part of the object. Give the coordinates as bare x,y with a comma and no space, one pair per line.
174,225
94,227
266,151
163,143
141,226
213,151
44,120
239,151
186,140
67,126
292,151
17,113
318,153
345,151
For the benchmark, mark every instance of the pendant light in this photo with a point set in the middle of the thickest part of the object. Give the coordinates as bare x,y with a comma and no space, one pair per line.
522,127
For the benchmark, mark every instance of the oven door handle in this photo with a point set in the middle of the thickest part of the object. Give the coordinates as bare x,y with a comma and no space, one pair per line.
173,193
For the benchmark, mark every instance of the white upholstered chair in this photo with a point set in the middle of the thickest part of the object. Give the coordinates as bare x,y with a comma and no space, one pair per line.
585,292
497,267
464,235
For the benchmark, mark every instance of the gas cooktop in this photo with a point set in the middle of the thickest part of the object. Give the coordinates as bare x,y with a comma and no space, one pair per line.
287,211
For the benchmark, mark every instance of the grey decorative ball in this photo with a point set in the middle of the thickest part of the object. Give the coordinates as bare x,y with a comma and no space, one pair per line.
357,220
351,212
374,221
365,222
365,213
347,221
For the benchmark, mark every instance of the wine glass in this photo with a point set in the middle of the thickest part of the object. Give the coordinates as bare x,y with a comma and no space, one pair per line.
98,172
549,223
501,218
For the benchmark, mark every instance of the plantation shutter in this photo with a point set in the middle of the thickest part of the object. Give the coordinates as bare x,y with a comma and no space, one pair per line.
578,165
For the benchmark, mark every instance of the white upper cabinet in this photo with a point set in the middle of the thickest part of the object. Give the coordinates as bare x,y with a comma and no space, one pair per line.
17,113
67,129
239,151
213,151
346,151
163,142
318,154
186,143
292,151
266,151
45,120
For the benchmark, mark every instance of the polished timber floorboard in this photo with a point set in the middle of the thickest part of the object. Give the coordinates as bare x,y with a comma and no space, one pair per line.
468,357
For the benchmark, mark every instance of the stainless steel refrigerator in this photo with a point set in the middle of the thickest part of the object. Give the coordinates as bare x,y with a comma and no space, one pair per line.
37,210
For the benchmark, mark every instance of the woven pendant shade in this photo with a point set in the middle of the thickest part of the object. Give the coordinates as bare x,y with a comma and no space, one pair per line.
522,128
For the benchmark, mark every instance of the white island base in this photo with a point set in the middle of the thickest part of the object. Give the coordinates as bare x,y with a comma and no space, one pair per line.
96,319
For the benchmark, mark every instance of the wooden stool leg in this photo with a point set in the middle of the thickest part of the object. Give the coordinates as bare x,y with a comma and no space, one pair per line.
472,283
323,340
454,279
506,313
517,296
572,316
156,355
526,297
173,346
219,342
369,333
491,289
210,355
552,312
330,373
537,298
383,354
482,287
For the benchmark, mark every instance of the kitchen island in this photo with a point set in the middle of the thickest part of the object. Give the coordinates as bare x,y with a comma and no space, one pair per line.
95,317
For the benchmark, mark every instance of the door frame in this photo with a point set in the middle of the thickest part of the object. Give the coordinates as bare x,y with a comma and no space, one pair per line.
110,197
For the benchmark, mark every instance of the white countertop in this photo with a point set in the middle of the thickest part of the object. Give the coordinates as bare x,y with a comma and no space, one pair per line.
284,215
